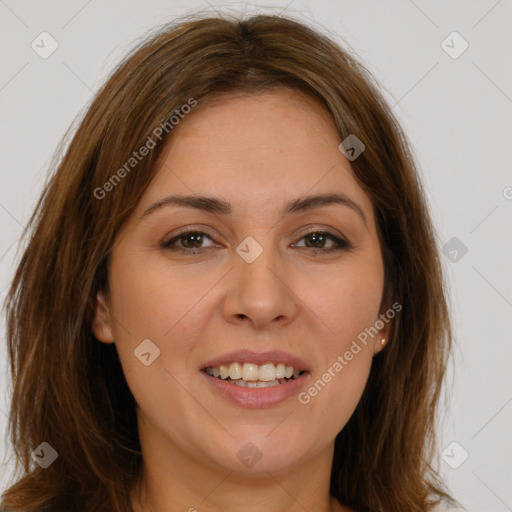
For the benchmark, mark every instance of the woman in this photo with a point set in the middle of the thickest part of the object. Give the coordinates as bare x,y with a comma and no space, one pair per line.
232,297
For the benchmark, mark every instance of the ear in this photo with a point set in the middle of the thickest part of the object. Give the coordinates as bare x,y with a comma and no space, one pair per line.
101,326
384,332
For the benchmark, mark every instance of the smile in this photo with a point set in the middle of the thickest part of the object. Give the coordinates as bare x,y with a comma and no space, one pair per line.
256,387
254,376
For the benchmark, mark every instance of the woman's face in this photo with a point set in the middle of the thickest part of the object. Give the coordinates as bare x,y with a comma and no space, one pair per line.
254,280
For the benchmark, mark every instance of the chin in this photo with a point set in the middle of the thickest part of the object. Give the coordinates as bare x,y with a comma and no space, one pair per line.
259,453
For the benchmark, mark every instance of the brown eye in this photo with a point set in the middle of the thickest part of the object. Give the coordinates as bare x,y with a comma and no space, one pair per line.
318,238
190,242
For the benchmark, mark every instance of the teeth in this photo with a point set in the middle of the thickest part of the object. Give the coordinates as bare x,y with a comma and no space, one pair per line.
267,372
235,371
254,375
258,384
250,372
281,371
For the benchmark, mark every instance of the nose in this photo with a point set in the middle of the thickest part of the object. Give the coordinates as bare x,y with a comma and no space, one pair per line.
261,292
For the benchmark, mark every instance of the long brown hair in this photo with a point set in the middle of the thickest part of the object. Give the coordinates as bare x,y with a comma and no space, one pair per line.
69,390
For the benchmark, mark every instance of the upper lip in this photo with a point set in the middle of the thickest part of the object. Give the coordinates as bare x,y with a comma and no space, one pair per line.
259,358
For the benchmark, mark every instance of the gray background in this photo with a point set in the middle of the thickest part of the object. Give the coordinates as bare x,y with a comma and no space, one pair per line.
456,112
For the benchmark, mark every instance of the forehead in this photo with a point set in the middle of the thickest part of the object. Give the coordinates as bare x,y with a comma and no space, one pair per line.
256,150
257,124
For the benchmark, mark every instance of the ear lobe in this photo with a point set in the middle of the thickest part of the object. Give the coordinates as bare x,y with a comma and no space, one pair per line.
384,334
101,326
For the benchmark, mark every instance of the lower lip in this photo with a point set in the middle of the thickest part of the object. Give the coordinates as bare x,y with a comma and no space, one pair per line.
257,398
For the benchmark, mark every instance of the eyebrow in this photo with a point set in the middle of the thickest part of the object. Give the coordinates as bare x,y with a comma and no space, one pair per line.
222,207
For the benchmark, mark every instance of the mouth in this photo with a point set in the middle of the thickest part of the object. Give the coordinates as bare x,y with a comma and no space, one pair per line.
249,375
253,380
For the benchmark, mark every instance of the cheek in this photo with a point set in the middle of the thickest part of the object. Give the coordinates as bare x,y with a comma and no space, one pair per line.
349,307
151,301
348,301
334,396
149,297
334,392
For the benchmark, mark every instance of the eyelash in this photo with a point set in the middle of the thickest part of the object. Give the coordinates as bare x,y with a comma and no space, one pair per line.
342,245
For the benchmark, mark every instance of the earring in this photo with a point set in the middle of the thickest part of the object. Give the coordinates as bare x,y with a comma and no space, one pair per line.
383,342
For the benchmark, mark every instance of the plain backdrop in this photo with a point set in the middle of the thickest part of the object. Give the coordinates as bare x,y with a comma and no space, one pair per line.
455,104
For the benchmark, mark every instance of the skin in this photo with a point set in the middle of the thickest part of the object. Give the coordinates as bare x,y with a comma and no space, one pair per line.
258,152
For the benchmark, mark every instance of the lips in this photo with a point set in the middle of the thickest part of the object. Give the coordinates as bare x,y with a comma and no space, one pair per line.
257,397
259,358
